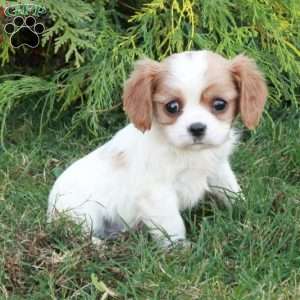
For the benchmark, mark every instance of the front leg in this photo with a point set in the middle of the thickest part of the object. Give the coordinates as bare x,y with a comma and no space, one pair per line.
224,185
160,213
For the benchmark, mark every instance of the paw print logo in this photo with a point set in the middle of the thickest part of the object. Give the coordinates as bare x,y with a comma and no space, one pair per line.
24,31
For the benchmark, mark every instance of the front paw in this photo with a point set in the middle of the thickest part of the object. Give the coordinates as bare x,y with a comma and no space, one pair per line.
184,244
176,244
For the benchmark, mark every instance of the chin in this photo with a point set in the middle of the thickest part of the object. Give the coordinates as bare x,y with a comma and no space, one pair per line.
174,151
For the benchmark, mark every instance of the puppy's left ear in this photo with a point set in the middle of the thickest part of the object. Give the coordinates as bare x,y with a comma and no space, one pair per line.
252,90
138,92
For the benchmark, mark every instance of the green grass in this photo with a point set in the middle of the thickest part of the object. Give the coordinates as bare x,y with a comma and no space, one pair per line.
251,252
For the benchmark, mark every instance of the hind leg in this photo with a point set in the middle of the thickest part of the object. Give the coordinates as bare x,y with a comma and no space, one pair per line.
89,213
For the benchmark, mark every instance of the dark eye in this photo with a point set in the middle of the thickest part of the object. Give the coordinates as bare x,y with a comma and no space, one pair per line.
219,104
173,107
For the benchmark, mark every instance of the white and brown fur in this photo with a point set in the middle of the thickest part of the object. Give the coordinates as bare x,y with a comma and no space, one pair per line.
154,168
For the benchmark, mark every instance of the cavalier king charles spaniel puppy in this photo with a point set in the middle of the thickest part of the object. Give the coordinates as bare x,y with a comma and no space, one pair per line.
174,151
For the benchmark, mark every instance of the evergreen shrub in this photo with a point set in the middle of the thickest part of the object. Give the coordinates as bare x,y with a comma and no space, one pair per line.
88,49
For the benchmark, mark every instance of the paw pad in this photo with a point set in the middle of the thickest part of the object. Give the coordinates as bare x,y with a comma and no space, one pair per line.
24,31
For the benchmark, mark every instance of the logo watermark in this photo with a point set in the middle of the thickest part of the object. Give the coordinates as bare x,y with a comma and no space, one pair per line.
33,10
23,28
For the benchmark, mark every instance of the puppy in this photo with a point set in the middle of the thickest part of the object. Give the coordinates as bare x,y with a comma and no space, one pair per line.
176,148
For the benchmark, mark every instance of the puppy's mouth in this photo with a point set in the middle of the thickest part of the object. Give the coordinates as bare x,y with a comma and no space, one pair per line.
201,143
197,142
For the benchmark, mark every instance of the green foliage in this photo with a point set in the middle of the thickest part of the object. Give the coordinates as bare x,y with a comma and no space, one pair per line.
71,28
20,88
89,48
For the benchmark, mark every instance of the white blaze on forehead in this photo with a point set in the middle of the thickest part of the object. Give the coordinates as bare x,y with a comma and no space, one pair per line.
187,73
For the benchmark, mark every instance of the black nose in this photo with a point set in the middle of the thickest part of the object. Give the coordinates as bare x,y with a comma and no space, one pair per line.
197,129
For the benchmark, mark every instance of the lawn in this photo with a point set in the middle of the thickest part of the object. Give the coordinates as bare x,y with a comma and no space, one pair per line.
249,252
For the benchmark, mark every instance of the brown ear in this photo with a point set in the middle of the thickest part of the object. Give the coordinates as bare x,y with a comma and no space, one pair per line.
252,90
137,94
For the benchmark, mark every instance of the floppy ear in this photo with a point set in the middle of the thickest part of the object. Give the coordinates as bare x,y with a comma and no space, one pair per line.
252,90
137,94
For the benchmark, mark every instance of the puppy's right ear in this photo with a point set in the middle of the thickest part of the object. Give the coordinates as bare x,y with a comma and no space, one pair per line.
137,94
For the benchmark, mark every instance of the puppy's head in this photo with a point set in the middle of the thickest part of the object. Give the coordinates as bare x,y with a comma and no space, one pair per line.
193,97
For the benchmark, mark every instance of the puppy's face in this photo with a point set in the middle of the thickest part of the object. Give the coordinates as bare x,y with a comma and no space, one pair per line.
194,97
